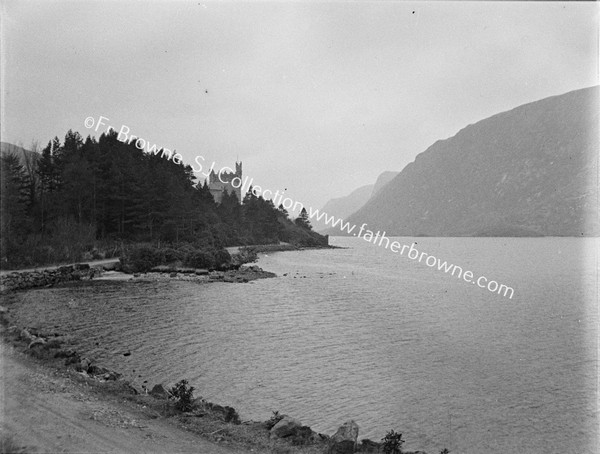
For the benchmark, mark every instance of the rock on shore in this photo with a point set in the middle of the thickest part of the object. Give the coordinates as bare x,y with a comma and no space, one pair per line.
46,278
344,440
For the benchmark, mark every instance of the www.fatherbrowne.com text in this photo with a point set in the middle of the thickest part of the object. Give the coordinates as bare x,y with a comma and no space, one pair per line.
393,245
287,203
413,253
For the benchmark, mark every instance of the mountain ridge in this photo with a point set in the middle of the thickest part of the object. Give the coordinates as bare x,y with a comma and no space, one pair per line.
527,171
342,207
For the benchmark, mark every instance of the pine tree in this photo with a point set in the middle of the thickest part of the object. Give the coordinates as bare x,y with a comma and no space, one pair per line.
14,199
303,221
283,211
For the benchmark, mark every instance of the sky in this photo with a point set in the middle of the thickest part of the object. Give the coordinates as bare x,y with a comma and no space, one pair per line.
314,98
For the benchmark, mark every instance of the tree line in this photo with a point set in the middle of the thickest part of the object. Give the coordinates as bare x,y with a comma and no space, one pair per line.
93,196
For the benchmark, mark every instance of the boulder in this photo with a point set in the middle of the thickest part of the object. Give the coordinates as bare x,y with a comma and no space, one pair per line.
344,440
227,414
287,427
159,392
36,341
367,445
97,370
111,375
304,435
131,388
342,447
85,364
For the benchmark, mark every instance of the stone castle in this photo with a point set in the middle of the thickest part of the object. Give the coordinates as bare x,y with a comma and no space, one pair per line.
219,184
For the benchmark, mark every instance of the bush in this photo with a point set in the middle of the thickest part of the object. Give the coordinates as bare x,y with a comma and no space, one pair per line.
184,395
186,249
170,255
222,259
200,259
244,255
392,443
141,258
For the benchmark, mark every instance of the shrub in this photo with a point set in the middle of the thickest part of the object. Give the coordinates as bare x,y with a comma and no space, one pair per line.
170,255
200,259
445,451
184,395
244,255
141,258
222,259
392,443
186,248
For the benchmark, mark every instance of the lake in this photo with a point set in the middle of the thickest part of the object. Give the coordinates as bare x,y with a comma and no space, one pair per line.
362,333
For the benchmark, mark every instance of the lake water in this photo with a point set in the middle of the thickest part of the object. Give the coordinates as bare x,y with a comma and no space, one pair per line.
365,334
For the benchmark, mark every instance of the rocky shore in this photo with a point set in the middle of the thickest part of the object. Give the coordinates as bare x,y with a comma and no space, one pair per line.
213,422
46,278
23,280
221,424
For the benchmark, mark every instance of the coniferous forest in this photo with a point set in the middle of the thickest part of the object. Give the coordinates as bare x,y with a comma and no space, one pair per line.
88,199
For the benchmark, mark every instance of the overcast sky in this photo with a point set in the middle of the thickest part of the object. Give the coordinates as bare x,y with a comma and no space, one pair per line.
318,98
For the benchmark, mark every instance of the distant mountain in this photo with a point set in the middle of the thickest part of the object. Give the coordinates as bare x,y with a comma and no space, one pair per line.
343,207
25,156
526,172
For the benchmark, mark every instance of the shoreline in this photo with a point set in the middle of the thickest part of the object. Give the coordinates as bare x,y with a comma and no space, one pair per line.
214,423
114,262
49,353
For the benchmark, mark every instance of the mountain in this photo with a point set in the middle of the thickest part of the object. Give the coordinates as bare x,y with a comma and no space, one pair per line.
382,180
25,156
530,171
343,207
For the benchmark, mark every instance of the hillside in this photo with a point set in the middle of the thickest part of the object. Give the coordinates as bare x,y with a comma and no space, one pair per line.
343,207
382,180
25,156
526,172
94,197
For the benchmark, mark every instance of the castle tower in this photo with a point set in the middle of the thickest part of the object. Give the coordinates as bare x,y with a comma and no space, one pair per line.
226,181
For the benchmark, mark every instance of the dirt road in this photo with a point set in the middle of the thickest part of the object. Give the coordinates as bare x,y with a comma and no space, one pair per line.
49,412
